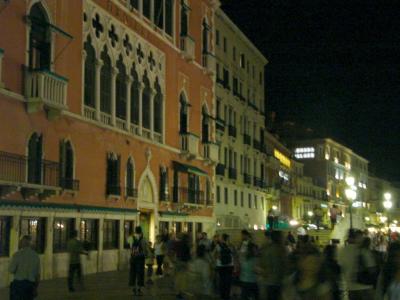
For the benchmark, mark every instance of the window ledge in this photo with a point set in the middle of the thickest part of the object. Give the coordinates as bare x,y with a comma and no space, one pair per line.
113,197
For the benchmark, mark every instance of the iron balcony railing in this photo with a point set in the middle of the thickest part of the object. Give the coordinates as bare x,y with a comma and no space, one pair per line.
232,130
246,139
220,124
114,190
232,173
131,192
18,169
186,195
247,178
220,169
69,184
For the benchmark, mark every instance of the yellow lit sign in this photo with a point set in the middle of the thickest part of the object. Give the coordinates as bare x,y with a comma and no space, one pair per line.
282,158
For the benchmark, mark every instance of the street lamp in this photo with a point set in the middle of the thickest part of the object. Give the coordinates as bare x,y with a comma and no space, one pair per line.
387,203
351,195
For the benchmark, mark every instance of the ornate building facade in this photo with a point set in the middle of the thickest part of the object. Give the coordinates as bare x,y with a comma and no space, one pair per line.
107,122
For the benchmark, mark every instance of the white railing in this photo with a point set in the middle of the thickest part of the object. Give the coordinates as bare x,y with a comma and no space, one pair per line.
47,87
211,152
89,112
158,137
190,144
188,47
134,129
121,124
209,62
105,118
146,133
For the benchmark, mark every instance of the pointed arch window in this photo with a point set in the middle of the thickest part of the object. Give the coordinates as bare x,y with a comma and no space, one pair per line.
146,7
39,38
205,126
169,16
130,179
183,114
205,37
146,98
35,154
135,94
121,90
90,74
184,21
67,166
158,109
159,13
113,178
105,83
164,191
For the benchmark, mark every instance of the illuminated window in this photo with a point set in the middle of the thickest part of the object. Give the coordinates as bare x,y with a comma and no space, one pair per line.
304,153
282,158
347,165
62,232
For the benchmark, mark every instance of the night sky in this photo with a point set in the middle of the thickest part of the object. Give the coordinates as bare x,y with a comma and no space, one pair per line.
333,66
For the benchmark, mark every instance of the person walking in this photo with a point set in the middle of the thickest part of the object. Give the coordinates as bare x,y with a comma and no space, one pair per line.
388,287
272,265
223,255
149,263
333,271
200,270
271,218
159,251
138,247
248,278
25,267
183,256
75,249
333,211
353,260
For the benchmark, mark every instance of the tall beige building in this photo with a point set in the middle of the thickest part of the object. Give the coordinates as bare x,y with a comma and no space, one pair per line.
240,124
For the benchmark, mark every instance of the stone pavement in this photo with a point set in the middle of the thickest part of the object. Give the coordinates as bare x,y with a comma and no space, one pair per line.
101,286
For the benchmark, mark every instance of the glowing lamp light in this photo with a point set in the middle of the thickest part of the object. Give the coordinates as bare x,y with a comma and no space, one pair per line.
274,207
218,224
395,221
293,222
387,196
367,219
351,194
255,227
350,180
387,204
383,219
310,213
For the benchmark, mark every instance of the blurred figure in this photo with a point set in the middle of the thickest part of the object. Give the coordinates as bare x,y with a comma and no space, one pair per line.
214,242
159,251
318,214
205,241
307,282
272,265
75,249
389,280
149,263
333,211
332,271
25,267
183,256
270,219
201,269
248,278
224,261
138,246
354,260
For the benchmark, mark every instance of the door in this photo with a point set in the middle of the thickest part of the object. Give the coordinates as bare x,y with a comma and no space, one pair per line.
145,224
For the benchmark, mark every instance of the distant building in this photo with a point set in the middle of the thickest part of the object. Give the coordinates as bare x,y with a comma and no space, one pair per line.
240,128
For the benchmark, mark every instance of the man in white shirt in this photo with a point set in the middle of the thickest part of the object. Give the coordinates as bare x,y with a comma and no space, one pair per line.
349,260
25,266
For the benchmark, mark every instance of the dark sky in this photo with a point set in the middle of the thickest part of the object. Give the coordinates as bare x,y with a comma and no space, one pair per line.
333,66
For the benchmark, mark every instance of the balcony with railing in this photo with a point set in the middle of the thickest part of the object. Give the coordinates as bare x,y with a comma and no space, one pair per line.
69,184
189,196
209,63
232,173
131,192
30,177
189,145
232,131
257,182
113,190
45,89
247,178
256,144
211,152
187,45
220,170
246,139
220,124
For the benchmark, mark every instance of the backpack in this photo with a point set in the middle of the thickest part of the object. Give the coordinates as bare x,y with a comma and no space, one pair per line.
137,248
225,255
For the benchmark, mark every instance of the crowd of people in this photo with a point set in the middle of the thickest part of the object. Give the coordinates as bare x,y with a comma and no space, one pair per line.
283,266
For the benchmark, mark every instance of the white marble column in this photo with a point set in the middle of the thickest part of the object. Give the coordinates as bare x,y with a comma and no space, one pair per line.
129,81
99,64
114,74
152,96
141,87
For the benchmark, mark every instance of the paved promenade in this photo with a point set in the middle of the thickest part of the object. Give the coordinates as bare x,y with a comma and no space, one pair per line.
101,286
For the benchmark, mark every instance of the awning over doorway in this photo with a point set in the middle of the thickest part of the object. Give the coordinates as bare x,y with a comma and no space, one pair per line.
188,169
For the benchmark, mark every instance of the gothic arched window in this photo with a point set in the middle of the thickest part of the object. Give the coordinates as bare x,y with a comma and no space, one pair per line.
105,83
35,152
39,38
158,109
146,98
121,90
90,74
